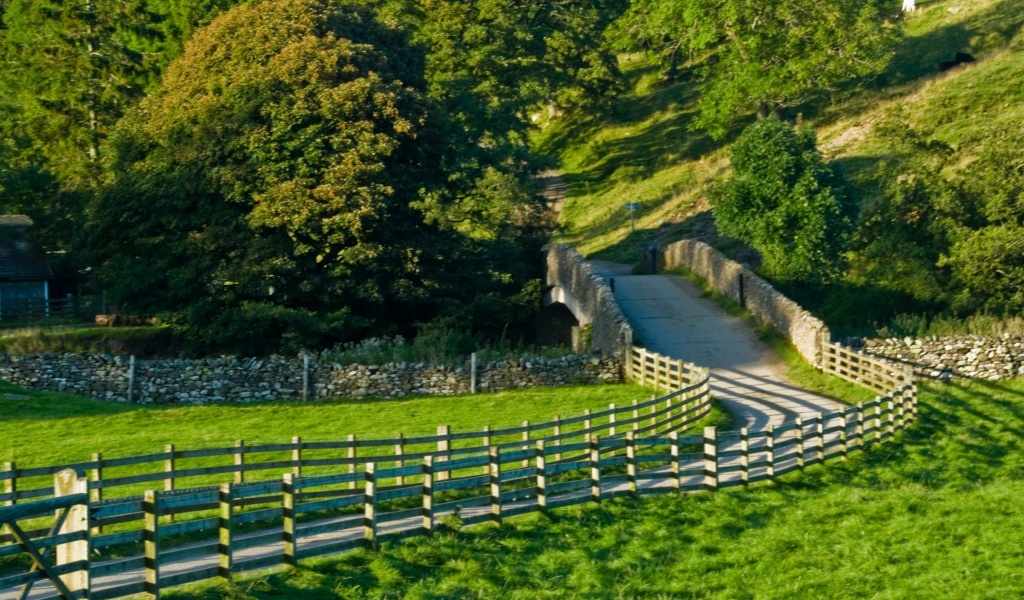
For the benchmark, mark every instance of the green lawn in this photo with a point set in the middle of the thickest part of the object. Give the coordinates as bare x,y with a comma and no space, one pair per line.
46,428
935,514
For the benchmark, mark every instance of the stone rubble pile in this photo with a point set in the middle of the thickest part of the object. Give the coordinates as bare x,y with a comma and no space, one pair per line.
943,357
228,379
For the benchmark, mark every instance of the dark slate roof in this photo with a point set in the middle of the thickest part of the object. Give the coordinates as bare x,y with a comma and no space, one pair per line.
18,261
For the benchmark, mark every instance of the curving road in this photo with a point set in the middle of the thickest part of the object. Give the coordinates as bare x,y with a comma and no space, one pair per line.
670,317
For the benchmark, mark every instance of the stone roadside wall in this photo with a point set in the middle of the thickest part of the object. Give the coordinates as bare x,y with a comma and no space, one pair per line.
610,332
213,380
742,285
971,357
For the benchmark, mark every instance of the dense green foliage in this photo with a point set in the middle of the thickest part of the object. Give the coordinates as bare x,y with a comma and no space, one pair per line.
786,202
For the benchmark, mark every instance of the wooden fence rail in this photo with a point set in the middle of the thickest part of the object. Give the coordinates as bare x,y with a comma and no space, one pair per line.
201,533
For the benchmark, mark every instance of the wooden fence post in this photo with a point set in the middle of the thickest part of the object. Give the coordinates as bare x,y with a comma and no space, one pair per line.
494,467
631,462
878,420
288,511
169,466
226,497
352,459
745,456
798,431
66,483
586,424
819,423
526,440
96,491
297,456
674,453
668,416
399,451
595,468
443,446
557,433
486,442
239,461
428,495
151,543
859,427
370,503
711,459
844,424
636,415
769,452
541,472
11,484
654,417
611,420
890,425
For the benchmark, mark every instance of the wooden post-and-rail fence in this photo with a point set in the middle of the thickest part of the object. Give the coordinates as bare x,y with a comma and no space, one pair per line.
212,532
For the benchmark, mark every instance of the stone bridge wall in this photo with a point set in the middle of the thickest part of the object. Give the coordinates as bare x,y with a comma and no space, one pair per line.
594,301
742,285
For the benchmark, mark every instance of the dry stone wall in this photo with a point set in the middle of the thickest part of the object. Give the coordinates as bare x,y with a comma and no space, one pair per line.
742,285
610,332
973,357
216,380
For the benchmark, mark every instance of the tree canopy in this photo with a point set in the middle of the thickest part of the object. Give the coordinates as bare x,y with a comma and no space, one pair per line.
764,56
279,172
786,202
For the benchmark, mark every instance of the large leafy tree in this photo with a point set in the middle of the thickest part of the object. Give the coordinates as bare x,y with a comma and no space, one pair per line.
274,178
763,56
786,202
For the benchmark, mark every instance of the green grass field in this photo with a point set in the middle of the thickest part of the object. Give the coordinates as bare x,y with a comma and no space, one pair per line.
76,427
934,514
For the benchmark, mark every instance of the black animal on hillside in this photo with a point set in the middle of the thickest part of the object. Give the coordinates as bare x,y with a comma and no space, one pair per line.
958,59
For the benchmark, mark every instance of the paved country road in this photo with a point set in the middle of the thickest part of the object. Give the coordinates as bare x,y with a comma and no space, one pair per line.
670,317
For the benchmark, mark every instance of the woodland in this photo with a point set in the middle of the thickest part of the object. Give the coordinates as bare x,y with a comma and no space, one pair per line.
299,173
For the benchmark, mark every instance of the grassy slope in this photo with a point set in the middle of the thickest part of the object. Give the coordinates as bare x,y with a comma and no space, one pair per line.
935,514
644,152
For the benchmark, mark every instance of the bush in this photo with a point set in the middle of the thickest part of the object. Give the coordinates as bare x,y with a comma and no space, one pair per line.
786,202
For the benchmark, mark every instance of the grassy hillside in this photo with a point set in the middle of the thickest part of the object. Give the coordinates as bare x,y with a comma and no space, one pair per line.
643,151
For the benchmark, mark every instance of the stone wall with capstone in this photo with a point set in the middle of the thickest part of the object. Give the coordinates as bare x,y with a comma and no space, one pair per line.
214,380
610,332
945,357
750,291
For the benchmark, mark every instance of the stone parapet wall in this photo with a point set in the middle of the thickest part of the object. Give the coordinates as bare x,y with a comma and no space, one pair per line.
214,380
742,285
592,300
972,357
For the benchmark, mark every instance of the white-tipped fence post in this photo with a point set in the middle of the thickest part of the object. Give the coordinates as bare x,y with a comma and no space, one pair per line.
819,423
11,483
631,462
673,437
151,543
769,452
370,503
428,495
288,511
595,468
798,432
66,483
744,456
711,459
443,446
542,473
494,468
226,498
